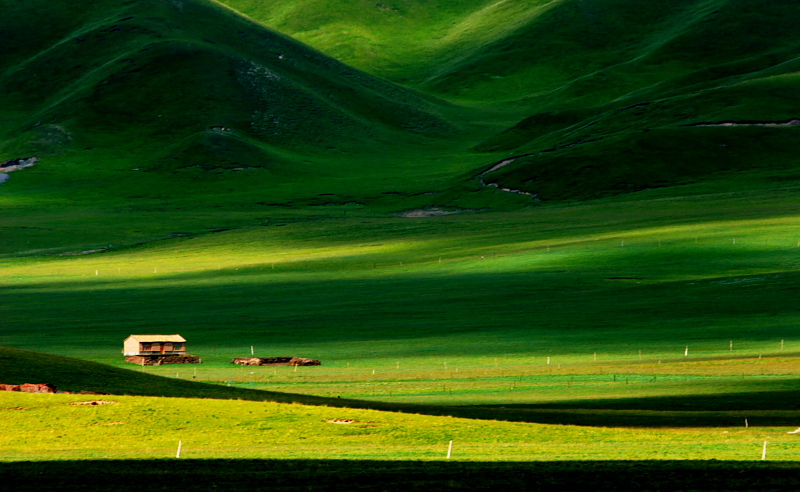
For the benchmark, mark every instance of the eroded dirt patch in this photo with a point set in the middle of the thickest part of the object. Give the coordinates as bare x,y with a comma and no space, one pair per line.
93,402
17,164
29,388
790,122
502,164
275,361
429,212
87,252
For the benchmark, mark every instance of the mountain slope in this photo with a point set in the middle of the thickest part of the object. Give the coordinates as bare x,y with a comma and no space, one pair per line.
196,56
167,107
511,50
162,110
607,93
155,73
400,40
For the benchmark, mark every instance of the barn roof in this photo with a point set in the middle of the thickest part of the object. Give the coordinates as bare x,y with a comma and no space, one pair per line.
157,338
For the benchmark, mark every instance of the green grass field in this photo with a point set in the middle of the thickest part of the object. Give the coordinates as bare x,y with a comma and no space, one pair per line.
612,306
151,428
518,226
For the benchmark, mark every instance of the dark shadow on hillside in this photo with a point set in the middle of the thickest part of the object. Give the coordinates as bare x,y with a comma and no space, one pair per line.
768,399
400,306
766,409
334,475
776,407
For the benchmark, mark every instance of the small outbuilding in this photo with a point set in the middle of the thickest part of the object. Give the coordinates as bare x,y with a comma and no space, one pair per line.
155,350
154,345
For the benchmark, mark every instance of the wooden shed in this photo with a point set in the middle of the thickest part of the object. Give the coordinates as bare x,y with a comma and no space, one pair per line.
154,345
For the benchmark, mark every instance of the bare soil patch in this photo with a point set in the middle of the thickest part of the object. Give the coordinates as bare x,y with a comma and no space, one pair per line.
17,164
86,252
502,164
429,212
275,361
29,388
790,122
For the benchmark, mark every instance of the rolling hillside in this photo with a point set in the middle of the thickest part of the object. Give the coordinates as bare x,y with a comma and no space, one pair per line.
173,69
158,109
576,216
596,80
544,52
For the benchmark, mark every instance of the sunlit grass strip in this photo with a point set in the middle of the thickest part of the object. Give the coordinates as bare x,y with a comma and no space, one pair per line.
269,253
37,427
523,380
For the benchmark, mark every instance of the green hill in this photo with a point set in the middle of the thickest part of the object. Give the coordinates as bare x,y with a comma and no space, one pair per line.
73,375
176,106
191,91
550,51
154,108
169,69
570,212
596,79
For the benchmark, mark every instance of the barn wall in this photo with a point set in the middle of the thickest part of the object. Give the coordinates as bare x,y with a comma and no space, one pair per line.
131,347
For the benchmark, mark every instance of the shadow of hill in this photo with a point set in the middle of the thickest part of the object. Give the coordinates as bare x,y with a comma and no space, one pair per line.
319,475
772,406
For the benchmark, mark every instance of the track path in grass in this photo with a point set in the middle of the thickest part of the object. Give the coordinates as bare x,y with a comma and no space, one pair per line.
500,165
769,124
509,160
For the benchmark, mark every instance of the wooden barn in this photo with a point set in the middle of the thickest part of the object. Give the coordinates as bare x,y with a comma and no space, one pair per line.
154,345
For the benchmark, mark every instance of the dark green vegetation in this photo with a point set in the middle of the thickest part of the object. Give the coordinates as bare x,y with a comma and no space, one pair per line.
76,376
615,257
184,115
155,109
392,323
596,79
381,475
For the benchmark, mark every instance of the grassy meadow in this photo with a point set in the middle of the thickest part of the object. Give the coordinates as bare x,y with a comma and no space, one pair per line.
50,427
554,232
580,314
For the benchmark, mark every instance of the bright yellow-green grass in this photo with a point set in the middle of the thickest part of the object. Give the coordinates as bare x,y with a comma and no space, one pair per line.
252,191
39,427
679,304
